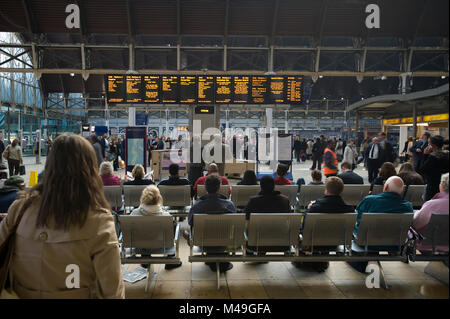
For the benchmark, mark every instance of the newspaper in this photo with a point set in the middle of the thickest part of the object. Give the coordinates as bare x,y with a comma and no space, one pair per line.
135,275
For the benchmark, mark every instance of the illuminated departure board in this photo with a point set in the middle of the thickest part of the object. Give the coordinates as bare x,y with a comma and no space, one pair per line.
205,89
224,86
188,89
116,88
134,88
151,90
241,89
277,90
169,89
294,89
259,90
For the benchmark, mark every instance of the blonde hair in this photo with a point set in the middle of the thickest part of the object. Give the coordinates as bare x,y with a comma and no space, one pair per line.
151,196
444,182
106,168
138,172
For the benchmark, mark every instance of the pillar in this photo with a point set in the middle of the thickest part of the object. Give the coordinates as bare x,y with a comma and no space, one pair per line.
414,120
402,138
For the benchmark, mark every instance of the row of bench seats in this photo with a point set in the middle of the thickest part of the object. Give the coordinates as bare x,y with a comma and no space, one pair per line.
181,195
285,237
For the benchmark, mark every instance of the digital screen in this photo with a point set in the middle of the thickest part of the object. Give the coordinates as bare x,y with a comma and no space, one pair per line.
134,88
188,89
135,151
277,89
241,89
294,89
151,90
115,89
259,90
169,89
205,89
223,89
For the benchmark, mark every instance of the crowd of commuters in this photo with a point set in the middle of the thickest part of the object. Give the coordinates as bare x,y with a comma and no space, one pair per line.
69,207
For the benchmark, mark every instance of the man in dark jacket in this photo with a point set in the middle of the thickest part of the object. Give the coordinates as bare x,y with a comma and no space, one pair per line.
348,176
387,150
332,202
435,163
174,179
9,193
317,154
418,149
268,200
212,203
297,148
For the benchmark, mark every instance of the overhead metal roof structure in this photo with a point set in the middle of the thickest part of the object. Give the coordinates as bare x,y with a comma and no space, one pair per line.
325,40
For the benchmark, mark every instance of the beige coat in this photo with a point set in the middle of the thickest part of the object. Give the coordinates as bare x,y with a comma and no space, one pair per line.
41,256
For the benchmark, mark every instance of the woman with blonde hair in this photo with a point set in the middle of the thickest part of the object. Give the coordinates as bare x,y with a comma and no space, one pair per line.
106,173
151,204
138,174
65,220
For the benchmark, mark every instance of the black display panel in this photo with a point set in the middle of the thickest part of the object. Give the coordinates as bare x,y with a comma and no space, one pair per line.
188,89
223,89
205,89
169,89
241,89
115,90
133,88
294,89
151,89
277,90
259,90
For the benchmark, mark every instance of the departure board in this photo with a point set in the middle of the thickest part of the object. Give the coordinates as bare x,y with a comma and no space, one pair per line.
224,85
294,89
151,89
259,90
134,88
241,89
188,89
205,89
115,89
277,90
169,89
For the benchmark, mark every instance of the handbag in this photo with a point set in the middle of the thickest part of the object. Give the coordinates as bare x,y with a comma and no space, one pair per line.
6,153
6,252
22,170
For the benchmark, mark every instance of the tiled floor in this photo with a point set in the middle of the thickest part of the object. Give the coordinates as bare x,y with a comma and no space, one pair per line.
281,280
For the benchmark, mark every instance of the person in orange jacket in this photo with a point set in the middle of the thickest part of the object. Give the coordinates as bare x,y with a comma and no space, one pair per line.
330,162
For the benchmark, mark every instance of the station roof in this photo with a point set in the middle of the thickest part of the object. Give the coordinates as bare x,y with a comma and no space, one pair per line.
249,27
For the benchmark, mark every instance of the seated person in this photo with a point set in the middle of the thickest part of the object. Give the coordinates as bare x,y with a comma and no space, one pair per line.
212,203
439,204
174,179
9,193
151,204
106,173
331,203
268,200
389,201
387,170
348,176
409,175
249,178
213,169
282,171
316,177
138,174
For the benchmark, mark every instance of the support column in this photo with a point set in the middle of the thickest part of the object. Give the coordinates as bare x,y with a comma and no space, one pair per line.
402,138
131,116
286,121
269,117
356,128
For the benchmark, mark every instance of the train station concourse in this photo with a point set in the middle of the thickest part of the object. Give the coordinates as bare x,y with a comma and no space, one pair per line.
181,151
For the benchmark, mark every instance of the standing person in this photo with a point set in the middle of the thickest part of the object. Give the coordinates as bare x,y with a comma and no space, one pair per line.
317,155
407,149
297,148
97,149
114,150
372,154
66,221
2,149
104,144
309,148
417,150
120,147
362,150
330,161
14,157
196,163
245,148
150,149
387,150
339,150
435,163
350,153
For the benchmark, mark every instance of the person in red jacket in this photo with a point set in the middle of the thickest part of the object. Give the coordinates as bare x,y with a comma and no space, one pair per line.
282,171
213,169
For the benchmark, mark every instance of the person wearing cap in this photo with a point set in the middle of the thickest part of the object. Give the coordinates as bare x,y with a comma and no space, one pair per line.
9,192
